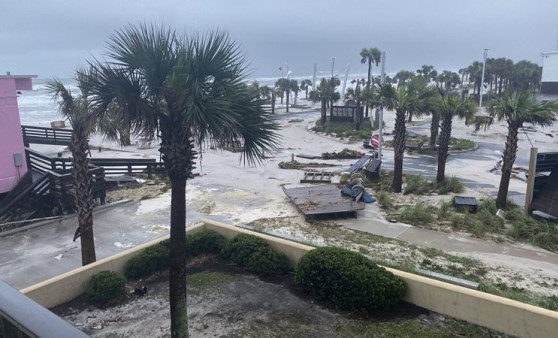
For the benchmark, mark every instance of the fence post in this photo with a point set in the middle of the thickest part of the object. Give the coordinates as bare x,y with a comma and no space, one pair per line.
148,171
530,180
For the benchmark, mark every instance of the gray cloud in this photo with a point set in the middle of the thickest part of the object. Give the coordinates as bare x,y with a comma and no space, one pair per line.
53,38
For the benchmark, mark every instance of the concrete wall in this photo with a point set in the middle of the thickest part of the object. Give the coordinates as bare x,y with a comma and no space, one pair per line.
11,139
497,313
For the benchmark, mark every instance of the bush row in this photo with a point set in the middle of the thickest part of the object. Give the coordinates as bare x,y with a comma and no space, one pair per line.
344,278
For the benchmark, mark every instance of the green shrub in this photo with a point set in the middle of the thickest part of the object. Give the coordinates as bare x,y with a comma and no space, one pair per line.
384,200
448,185
444,210
255,255
418,214
348,279
204,242
153,259
417,185
106,287
461,144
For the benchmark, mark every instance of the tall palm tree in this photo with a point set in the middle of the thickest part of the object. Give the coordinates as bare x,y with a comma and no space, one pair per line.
517,109
192,94
293,86
369,56
405,99
449,105
79,113
305,85
427,71
403,76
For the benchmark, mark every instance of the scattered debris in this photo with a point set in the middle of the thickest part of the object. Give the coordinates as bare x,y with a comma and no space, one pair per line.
343,154
299,165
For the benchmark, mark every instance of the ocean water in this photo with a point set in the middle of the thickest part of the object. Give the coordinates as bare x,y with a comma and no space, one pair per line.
37,107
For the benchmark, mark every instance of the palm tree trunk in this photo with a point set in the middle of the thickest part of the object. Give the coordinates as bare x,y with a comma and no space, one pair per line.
368,83
434,126
82,196
273,103
323,112
306,93
178,155
288,94
398,150
445,134
510,152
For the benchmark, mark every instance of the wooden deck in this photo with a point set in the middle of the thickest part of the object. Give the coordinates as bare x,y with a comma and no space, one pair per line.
323,200
316,177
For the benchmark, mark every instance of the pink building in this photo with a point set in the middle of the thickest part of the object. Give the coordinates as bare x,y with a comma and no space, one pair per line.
12,152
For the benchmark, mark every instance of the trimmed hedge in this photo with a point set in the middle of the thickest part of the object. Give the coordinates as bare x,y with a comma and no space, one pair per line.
153,259
106,287
348,279
204,242
256,256
156,258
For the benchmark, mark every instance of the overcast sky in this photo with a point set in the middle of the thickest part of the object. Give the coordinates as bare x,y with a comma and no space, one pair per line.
53,38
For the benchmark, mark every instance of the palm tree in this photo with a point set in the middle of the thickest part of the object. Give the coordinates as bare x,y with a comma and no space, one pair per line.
370,55
192,94
427,71
305,85
405,99
78,112
516,108
324,93
293,86
448,106
403,76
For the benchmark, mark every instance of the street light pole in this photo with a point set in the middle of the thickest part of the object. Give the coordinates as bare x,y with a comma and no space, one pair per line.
482,77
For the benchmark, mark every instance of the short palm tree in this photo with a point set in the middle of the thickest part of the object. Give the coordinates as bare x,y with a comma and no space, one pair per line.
79,113
192,94
369,56
406,98
449,105
516,109
305,85
321,94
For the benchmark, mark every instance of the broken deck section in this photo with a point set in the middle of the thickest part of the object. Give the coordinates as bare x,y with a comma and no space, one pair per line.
323,200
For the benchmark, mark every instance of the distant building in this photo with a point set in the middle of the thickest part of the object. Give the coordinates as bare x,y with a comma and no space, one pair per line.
12,152
549,80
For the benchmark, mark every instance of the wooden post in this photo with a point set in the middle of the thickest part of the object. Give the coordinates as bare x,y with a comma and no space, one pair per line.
530,180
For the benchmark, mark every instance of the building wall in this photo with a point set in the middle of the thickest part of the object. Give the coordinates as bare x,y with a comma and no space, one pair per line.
11,139
549,80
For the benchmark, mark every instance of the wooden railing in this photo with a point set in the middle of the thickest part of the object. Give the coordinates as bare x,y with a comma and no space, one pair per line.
113,166
61,184
42,135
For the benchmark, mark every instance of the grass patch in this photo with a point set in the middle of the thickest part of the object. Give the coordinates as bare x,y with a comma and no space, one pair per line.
452,184
345,130
207,280
384,200
455,144
538,232
521,295
418,185
412,327
418,214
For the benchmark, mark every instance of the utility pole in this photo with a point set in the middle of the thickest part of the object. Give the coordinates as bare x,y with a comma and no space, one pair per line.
482,77
381,120
314,85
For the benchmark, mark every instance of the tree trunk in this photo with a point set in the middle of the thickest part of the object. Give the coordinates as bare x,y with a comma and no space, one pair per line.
368,83
510,152
443,147
434,126
398,150
288,94
323,111
82,195
178,155
306,93
358,117
273,103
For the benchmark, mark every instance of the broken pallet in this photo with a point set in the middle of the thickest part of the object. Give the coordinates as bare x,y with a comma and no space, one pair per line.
316,177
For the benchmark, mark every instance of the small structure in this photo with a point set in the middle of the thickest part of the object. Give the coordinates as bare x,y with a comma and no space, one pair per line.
545,184
12,152
344,113
549,79
465,202
372,169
